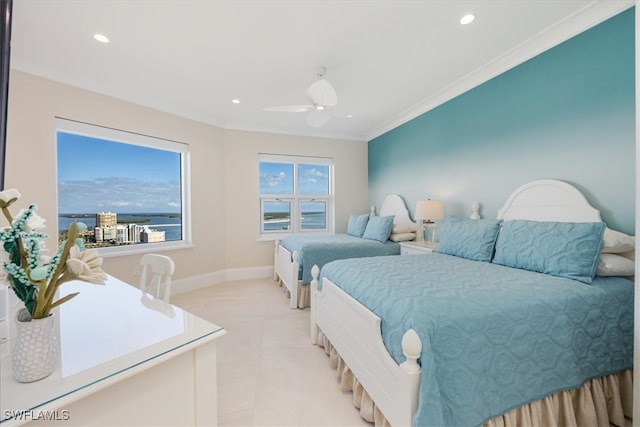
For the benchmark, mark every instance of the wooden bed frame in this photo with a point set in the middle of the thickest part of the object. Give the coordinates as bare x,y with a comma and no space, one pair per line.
286,265
355,332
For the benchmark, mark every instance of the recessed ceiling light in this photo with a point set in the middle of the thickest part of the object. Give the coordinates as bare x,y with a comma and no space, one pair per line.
349,116
101,38
235,101
467,19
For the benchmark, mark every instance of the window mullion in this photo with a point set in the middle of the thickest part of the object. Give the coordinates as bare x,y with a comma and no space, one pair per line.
309,174
295,220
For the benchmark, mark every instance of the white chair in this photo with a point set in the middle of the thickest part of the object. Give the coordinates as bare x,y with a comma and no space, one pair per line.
155,275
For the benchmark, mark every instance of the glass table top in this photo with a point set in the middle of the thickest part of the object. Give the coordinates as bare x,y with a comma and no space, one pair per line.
103,331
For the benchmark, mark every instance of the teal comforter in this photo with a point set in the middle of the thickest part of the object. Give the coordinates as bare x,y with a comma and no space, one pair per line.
319,250
493,337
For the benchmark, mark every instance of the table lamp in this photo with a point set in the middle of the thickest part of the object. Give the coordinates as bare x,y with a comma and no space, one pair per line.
426,212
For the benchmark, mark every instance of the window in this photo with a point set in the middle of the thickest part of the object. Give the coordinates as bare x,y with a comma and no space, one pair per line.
296,195
130,190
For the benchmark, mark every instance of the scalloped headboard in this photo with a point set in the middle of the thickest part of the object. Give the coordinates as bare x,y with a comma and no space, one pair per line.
394,205
548,200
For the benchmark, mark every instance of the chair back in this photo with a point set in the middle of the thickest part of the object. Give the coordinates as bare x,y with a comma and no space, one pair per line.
155,275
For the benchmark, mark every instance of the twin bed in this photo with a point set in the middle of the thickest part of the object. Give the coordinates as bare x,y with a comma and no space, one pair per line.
296,255
507,327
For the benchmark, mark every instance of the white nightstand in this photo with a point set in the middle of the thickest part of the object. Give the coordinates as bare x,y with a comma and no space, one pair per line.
417,247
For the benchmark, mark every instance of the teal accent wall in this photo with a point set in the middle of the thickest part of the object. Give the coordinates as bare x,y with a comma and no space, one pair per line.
568,114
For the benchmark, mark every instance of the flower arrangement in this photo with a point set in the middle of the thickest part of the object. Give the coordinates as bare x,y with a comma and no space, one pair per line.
33,276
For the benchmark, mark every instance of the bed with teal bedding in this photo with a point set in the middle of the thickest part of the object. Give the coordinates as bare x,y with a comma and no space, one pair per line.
493,337
367,235
512,322
319,250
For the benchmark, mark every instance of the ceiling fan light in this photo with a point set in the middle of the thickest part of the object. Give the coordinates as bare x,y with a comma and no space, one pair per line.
101,38
467,19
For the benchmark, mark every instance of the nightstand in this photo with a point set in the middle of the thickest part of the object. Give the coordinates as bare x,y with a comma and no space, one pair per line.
417,247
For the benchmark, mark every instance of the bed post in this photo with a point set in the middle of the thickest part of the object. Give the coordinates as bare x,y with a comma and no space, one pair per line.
411,348
293,281
275,260
315,272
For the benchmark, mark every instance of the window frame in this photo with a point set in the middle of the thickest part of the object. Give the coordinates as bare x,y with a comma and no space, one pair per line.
125,137
296,199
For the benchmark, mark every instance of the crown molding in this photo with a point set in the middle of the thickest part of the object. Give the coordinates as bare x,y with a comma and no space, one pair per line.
582,20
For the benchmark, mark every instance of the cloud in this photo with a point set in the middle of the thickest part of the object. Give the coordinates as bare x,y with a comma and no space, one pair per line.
118,194
316,173
273,181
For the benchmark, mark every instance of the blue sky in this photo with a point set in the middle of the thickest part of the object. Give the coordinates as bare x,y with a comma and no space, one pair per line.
277,178
98,175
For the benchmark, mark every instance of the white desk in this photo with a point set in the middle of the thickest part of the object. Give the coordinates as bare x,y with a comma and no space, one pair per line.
124,360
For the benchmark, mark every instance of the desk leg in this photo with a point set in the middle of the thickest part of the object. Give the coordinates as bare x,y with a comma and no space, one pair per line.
206,380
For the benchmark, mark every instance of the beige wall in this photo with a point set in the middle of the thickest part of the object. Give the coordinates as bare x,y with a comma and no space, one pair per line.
242,205
224,173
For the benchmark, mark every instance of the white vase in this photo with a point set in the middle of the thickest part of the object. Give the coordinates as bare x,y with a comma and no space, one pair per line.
35,353
4,317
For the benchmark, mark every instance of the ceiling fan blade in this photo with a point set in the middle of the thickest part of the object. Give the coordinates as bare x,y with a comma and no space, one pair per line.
290,108
318,118
322,93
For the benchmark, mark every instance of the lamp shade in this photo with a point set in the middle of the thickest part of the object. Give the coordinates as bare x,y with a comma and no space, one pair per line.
429,210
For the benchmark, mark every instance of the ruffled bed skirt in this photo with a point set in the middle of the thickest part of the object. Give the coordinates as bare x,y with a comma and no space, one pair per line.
601,402
304,295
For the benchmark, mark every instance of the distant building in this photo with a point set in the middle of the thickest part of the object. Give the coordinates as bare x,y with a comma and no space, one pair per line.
107,229
129,233
104,234
106,219
151,236
135,232
122,235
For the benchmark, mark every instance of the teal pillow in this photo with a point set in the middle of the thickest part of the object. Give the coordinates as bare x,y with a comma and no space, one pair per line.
564,249
379,228
357,224
469,238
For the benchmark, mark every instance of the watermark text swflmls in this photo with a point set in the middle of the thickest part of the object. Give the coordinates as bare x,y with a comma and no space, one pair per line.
34,415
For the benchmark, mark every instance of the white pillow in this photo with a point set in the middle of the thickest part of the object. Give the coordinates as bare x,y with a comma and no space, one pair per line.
615,242
615,265
402,237
405,227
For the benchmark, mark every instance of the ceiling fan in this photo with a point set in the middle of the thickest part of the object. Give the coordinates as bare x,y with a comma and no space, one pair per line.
321,94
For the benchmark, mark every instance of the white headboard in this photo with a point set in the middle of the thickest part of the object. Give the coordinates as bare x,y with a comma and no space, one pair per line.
548,200
394,205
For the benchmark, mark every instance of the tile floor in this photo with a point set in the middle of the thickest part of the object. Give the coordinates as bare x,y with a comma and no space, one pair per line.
269,373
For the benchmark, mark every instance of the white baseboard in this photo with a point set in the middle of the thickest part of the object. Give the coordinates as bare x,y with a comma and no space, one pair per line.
202,281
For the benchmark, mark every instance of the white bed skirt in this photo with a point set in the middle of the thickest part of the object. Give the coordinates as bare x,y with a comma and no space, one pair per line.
601,402
304,295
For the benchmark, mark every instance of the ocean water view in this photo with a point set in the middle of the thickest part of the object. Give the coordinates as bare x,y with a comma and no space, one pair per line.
170,223
280,221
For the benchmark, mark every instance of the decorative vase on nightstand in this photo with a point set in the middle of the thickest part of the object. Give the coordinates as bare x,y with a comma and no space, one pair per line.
35,353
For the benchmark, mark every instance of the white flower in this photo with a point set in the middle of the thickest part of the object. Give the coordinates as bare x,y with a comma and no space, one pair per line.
7,195
86,265
45,259
35,222
42,249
